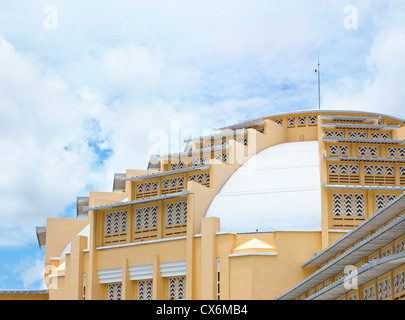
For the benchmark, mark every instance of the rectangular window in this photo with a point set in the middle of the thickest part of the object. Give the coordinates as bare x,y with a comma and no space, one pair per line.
176,212
348,209
145,290
369,293
176,219
114,291
302,121
145,223
384,289
115,227
173,185
147,189
312,120
177,288
381,200
399,283
291,122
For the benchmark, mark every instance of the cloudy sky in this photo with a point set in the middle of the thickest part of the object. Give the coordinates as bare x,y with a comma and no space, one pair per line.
91,88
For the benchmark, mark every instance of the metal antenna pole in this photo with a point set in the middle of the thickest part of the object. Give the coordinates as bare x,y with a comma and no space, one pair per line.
319,86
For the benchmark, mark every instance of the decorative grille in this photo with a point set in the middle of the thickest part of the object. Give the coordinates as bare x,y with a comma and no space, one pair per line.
354,169
177,212
399,247
362,135
359,204
368,169
379,169
181,288
375,135
362,151
146,211
180,181
184,211
108,223
385,136
123,221
392,152
337,204
153,216
369,293
141,290
384,288
138,219
399,283
291,122
111,289
386,253
302,121
348,204
312,119
379,201
118,291
352,135
389,170
344,168
372,151
333,149
338,134
148,290
114,291
172,289
145,290
177,288
169,214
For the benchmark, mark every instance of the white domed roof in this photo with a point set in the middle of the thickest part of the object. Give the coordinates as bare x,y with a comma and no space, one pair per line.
277,189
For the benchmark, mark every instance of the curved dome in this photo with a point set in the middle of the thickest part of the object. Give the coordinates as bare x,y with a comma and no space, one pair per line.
277,189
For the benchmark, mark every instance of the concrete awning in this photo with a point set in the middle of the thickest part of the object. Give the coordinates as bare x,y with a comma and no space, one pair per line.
363,274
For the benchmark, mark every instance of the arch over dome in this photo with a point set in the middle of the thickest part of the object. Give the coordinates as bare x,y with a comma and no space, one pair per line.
277,189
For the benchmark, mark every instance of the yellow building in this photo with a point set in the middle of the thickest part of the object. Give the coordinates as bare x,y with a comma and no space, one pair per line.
300,205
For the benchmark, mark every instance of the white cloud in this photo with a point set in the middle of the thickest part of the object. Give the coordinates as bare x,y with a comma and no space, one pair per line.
382,89
29,271
45,157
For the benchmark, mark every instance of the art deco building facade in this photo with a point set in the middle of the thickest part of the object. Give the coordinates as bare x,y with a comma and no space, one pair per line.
281,207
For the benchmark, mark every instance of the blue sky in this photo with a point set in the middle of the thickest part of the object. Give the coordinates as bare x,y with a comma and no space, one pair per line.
86,88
